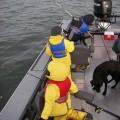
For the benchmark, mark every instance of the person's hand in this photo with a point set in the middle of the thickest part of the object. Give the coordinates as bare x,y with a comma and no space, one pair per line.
89,33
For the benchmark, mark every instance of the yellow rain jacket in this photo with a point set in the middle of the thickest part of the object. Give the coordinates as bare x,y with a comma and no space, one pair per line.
58,72
69,46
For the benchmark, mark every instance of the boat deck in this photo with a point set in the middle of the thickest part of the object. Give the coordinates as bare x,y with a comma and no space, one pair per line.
111,101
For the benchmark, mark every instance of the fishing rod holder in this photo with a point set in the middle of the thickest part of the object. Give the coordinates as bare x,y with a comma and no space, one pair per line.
115,17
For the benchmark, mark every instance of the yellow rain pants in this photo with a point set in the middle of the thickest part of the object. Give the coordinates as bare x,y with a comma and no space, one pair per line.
72,115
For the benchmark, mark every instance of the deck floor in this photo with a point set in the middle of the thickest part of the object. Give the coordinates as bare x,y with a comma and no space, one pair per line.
111,101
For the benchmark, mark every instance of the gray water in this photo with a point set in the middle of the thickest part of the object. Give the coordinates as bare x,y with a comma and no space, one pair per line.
24,29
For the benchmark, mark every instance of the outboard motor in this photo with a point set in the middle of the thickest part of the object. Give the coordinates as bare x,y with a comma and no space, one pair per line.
102,8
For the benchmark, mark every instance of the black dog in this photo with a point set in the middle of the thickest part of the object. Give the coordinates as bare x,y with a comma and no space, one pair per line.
101,73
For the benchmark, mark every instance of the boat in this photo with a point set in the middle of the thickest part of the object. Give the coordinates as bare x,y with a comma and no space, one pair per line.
21,105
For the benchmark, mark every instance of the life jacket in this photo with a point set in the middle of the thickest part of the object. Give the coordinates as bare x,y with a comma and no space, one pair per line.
58,50
83,28
64,87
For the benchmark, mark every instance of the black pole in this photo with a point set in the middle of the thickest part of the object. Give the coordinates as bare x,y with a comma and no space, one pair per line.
100,33
115,15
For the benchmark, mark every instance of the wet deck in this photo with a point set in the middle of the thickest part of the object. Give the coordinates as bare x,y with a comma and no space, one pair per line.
111,101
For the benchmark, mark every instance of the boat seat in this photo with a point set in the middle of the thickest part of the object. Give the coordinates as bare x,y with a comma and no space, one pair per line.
81,54
39,101
82,95
81,57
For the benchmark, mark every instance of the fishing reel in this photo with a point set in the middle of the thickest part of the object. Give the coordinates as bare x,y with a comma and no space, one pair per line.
103,13
98,109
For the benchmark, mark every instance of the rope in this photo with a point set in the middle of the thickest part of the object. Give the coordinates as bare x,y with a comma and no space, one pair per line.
105,48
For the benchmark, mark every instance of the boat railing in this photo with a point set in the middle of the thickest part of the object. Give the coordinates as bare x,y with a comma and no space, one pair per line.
23,96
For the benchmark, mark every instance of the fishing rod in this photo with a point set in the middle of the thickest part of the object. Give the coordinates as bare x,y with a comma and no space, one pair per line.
101,33
99,109
88,98
62,7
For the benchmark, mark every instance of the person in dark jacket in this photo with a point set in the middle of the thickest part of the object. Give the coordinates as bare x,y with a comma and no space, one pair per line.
80,27
116,47
82,31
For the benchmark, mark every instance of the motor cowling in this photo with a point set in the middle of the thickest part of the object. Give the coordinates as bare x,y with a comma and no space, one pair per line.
102,8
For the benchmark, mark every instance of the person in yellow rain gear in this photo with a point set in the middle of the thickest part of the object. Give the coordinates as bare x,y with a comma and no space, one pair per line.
59,47
57,95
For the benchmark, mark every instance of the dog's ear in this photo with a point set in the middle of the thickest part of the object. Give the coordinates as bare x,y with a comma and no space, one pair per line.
92,82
